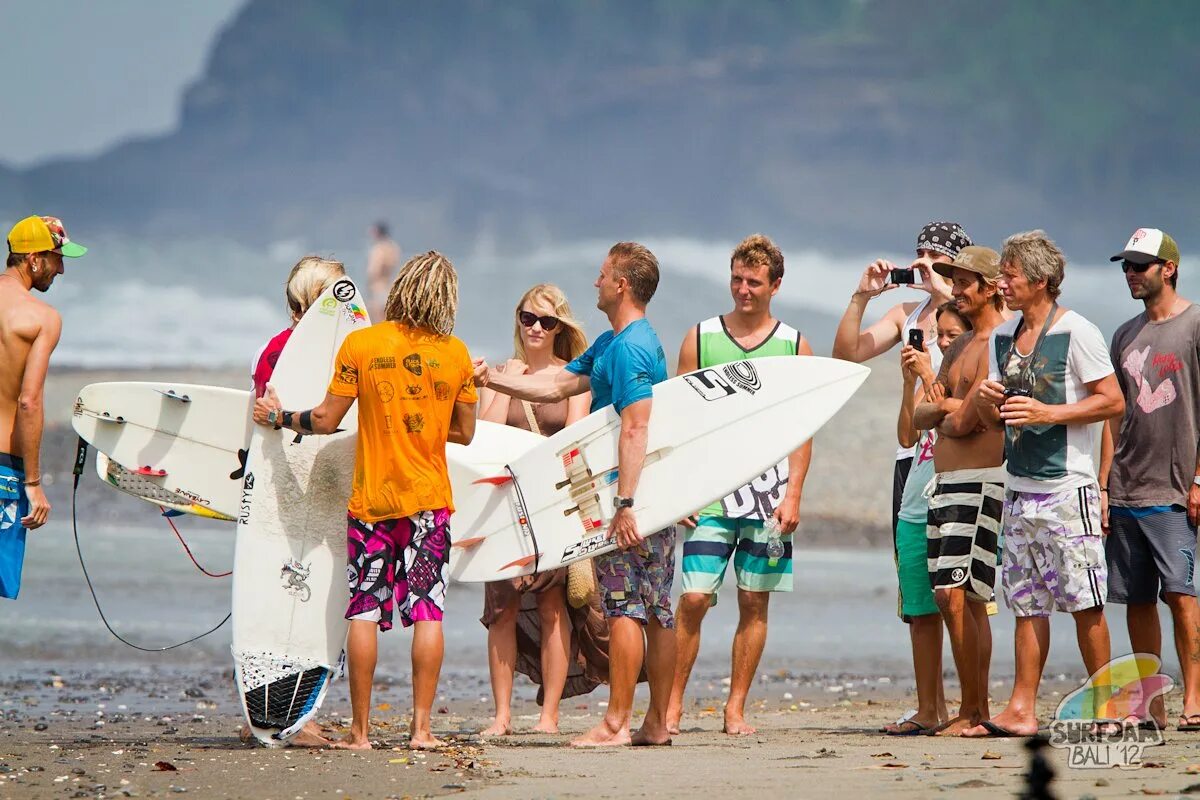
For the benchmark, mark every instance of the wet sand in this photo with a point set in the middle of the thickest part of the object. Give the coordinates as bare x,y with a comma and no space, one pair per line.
817,738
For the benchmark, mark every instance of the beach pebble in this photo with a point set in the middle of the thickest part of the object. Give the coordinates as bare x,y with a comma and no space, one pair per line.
787,695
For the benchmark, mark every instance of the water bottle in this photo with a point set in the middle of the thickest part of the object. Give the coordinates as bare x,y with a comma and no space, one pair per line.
774,541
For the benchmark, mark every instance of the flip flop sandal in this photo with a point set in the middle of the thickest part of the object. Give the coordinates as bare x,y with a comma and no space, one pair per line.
917,729
1191,723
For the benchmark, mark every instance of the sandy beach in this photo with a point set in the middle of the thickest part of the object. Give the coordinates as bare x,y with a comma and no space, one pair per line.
812,742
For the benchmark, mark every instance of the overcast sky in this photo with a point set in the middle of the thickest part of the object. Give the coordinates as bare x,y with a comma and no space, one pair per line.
82,75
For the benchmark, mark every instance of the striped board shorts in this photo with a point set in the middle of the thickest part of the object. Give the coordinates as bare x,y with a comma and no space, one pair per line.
966,510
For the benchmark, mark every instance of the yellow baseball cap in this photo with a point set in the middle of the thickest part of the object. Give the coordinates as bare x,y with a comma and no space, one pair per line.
41,234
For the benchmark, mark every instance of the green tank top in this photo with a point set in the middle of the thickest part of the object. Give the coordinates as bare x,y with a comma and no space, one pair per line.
758,498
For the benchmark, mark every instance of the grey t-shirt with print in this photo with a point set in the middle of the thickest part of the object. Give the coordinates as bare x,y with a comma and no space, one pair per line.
1158,367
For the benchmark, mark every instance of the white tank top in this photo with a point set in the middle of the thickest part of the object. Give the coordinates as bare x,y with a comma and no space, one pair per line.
935,355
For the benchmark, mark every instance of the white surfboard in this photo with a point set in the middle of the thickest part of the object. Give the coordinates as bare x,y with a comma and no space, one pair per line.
146,489
710,431
492,447
175,440
289,584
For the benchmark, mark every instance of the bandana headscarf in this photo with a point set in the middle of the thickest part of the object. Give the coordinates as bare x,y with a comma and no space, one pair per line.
946,238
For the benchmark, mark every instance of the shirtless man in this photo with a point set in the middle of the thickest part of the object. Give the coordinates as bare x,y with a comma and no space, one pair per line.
965,509
29,330
382,263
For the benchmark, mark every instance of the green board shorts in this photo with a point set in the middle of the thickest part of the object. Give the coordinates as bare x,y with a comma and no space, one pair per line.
912,568
709,546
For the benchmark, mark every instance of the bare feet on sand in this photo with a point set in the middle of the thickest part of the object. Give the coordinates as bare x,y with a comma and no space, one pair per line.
311,735
497,728
651,738
736,725
352,742
425,741
546,726
604,735
674,718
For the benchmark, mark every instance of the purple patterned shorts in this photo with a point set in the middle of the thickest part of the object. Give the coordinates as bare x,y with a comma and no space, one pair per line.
398,561
1053,552
637,583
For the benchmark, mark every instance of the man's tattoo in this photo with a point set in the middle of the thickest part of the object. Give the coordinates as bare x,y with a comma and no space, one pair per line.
1195,654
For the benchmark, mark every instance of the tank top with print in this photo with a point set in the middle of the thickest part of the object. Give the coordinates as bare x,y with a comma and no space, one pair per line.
714,346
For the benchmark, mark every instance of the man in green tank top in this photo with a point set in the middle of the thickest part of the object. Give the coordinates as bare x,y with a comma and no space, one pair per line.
734,527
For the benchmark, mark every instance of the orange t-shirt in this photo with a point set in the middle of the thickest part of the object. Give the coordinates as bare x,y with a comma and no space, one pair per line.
407,382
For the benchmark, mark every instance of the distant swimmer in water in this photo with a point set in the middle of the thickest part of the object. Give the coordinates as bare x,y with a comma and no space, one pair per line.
382,263
29,331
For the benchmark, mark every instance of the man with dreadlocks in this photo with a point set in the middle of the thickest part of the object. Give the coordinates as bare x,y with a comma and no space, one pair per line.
414,385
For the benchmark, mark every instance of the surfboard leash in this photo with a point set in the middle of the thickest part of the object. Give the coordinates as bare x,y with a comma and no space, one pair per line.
188,550
80,462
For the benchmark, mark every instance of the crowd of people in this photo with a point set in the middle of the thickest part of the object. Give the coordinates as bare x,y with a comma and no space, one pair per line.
1022,450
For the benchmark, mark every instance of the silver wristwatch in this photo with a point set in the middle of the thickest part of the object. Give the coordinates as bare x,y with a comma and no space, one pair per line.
622,502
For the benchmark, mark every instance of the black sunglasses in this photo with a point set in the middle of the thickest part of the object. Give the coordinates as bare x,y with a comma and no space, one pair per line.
1138,268
528,318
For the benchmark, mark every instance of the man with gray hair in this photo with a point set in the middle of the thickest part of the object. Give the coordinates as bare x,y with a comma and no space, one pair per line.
1049,380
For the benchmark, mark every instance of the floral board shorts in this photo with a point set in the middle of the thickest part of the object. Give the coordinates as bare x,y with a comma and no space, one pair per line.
636,583
1053,552
398,563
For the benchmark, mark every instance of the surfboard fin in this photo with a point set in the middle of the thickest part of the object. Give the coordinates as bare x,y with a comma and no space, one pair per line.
150,472
172,512
523,561
171,395
494,480
106,417
464,543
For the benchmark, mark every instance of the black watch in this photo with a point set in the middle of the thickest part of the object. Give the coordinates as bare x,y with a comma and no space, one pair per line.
622,502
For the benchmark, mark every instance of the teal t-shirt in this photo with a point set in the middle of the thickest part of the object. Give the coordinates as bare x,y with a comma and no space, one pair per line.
623,367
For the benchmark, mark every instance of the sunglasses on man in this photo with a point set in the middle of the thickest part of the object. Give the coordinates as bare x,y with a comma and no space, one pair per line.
528,318
1126,266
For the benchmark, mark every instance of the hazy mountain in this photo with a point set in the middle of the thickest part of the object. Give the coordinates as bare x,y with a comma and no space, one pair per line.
838,124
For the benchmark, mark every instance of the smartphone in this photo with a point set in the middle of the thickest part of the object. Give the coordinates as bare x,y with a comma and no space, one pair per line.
899,276
916,338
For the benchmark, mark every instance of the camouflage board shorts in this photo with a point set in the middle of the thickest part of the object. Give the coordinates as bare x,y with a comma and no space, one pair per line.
1053,552
636,583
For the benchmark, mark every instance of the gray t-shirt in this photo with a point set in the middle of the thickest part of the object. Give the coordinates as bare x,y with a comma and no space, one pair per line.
1158,367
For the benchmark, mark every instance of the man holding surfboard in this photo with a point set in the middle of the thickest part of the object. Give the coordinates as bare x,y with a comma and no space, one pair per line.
620,369
739,526
29,331
398,526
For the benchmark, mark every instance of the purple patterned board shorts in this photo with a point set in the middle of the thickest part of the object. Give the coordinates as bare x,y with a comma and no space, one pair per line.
1053,552
398,561
635,583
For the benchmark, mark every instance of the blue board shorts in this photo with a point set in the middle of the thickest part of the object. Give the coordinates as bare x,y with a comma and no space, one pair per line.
14,505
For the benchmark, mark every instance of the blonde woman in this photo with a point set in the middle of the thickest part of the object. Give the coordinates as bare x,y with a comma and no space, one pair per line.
530,627
311,276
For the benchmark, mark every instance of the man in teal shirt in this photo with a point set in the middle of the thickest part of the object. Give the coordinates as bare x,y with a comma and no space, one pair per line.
620,369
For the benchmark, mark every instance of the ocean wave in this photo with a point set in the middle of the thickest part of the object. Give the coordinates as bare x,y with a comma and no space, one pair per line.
137,325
